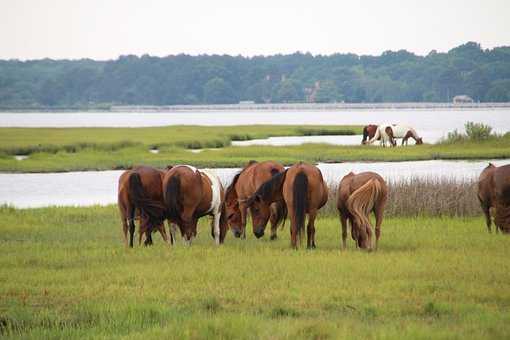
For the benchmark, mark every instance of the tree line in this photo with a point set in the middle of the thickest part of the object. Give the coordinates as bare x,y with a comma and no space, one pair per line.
398,76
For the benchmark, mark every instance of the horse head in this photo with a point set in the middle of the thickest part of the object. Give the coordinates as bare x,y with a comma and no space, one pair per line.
259,203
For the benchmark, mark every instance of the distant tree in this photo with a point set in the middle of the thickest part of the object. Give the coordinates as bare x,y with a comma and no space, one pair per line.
289,91
327,93
218,91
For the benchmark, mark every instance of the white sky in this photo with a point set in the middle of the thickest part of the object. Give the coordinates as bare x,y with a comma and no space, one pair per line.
103,29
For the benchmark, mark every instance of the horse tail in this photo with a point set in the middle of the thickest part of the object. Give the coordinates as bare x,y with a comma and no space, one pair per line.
152,209
300,200
361,202
172,198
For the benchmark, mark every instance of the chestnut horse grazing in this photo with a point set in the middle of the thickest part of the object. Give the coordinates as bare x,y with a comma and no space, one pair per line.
358,196
243,186
141,189
494,192
368,133
405,132
383,133
190,194
303,190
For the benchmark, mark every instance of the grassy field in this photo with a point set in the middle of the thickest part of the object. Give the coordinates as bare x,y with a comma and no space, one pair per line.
65,273
110,148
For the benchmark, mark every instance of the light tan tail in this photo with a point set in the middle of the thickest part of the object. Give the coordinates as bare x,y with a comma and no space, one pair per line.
361,202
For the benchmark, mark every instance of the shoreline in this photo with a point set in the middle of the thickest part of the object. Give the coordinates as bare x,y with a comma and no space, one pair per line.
264,107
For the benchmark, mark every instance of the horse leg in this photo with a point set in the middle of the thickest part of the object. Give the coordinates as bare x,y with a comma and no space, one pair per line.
273,218
293,230
172,229
162,231
131,228
216,227
379,212
244,211
125,228
343,222
487,213
310,229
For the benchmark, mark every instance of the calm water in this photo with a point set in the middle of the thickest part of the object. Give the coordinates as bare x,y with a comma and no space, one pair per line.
100,187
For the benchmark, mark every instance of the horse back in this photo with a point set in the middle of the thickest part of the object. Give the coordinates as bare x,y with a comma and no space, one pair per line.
501,184
486,187
253,177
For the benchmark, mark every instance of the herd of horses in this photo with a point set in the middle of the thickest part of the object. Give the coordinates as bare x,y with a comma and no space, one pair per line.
267,191
388,133
271,193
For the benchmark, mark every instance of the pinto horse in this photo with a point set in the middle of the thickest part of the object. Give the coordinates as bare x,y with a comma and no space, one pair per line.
383,133
245,184
140,189
494,193
358,196
368,133
405,132
189,194
302,189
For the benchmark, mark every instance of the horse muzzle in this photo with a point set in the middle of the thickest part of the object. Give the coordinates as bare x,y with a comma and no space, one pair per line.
259,232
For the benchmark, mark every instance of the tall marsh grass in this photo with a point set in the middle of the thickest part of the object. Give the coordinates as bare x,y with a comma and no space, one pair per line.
423,197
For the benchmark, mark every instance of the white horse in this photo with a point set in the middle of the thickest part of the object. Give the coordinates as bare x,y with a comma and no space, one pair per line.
384,133
389,133
405,132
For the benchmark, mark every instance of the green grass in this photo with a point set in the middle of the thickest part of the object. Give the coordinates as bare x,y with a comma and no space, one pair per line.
65,273
120,148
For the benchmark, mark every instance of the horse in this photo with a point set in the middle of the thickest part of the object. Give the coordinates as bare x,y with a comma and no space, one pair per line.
189,194
383,133
368,133
494,193
358,196
302,189
140,189
405,132
501,185
245,184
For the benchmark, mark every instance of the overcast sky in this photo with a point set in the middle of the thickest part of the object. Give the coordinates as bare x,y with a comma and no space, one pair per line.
103,29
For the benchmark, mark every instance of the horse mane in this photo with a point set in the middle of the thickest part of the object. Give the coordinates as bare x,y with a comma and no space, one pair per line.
268,188
361,202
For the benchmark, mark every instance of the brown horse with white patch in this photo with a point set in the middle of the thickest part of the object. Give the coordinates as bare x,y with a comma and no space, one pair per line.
189,194
243,186
358,196
494,193
302,189
140,189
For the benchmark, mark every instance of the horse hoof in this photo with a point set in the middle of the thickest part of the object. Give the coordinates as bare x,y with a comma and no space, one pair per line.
273,237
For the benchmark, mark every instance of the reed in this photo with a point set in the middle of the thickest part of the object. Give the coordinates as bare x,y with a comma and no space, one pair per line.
423,197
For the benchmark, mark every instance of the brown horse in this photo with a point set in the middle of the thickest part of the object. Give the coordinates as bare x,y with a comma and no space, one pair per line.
357,196
302,189
190,194
383,133
140,189
243,186
368,133
494,193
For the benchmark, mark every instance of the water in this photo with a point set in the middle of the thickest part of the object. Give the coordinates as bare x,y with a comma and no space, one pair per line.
100,187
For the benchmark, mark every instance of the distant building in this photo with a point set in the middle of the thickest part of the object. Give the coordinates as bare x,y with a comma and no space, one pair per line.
462,99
